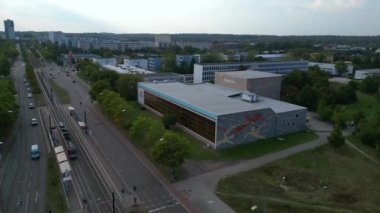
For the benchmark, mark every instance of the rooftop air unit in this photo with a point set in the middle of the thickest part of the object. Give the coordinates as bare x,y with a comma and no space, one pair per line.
249,97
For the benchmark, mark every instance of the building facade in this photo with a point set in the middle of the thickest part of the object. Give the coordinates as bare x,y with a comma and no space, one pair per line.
206,72
362,74
219,116
330,68
137,62
261,83
9,29
154,63
56,37
162,40
187,59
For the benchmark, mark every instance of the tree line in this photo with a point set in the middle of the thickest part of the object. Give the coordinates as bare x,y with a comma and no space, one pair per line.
116,95
8,106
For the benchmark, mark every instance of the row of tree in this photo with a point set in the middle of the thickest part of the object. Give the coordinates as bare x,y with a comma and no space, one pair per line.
8,106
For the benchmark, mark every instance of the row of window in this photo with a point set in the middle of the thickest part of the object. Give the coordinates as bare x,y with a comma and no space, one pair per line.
197,123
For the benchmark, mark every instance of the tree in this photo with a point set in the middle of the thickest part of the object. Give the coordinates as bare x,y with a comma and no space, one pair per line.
169,120
336,138
369,85
341,67
338,118
97,88
171,151
168,62
126,86
324,111
308,96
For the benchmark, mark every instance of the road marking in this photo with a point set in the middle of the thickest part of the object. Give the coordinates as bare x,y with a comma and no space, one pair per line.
36,198
26,203
5,166
30,182
163,207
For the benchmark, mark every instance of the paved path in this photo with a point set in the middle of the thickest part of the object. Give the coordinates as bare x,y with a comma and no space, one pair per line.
200,189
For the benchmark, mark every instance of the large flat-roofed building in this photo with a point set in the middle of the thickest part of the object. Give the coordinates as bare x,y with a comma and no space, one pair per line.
262,83
222,117
362,74
137,62
206,72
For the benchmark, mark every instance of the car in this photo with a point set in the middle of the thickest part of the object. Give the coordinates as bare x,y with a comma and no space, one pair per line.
35,152
28,89
74,81
31,106
25,80
30,95
27,84
61,125
67,74
34,122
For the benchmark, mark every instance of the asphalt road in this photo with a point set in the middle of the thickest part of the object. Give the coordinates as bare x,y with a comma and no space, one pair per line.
120,163
22,179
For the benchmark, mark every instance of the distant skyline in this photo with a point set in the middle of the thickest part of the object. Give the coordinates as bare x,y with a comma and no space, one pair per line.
269,17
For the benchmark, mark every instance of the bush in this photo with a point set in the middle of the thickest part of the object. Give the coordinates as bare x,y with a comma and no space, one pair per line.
169,120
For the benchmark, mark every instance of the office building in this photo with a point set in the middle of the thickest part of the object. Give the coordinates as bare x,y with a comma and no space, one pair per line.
9,29
330,68
219,116
261,83
362,74
137,62
154,63
206,72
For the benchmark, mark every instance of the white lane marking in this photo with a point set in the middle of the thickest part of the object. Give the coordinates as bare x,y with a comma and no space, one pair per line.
36,198
4,167
163,207
26,203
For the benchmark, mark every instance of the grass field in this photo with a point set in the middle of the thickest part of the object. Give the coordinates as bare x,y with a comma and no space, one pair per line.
367,103
367,149
351,184
63,95
55,197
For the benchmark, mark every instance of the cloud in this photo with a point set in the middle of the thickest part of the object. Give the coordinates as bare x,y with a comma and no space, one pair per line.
336,4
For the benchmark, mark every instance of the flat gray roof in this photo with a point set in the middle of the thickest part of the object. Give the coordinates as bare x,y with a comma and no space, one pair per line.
249,74
213,100
369,70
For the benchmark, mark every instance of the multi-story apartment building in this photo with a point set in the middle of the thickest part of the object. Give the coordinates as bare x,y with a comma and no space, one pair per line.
56,37
162,40
9,29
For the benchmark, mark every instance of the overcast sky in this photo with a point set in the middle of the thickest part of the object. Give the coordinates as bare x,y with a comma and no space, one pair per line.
275,17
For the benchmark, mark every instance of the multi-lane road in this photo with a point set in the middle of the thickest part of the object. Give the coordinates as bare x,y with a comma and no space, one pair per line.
22,180
124,167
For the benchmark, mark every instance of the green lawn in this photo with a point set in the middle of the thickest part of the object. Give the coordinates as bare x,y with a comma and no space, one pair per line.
253,150
367,149
55,199
367,103
351,180
63,95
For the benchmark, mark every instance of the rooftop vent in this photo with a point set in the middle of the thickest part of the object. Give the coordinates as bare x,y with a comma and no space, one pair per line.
249,97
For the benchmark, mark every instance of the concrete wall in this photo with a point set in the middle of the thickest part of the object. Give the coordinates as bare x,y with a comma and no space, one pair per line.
292,121
267,87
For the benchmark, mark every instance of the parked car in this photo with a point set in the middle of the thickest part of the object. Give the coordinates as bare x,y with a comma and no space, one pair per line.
30,95
31,106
